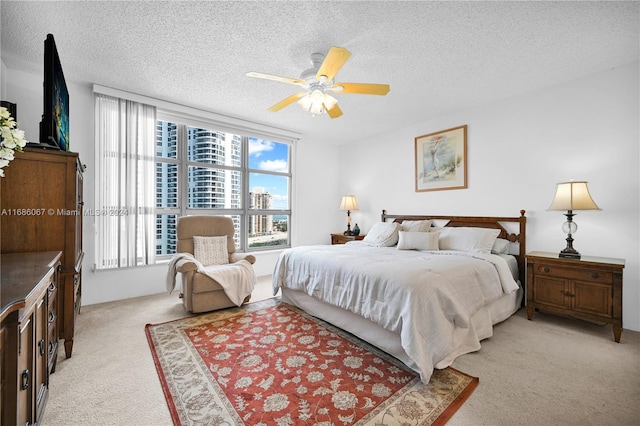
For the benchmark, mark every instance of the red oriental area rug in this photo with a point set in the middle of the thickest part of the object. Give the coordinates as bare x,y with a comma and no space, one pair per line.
268,363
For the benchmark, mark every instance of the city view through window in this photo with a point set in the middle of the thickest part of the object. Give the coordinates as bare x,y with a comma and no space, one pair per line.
203,171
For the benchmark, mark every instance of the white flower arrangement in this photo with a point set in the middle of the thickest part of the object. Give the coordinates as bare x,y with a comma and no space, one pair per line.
12,139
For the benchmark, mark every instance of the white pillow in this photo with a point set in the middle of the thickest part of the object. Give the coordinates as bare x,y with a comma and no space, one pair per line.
383,234
418,240
500,246
514,248
415,225
211,250
475,240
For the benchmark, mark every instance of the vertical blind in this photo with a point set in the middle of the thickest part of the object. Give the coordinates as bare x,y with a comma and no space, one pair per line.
125,182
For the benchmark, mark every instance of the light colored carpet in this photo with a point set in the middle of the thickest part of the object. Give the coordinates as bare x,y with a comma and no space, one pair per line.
549,371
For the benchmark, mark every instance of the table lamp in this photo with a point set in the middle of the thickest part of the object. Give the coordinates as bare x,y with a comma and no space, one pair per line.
570,196
348,203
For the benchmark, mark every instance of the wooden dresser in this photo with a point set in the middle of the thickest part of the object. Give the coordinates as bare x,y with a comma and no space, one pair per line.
41,209
588,288
28,334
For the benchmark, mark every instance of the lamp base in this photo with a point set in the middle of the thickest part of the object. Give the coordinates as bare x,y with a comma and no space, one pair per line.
575,255
569,252
348,232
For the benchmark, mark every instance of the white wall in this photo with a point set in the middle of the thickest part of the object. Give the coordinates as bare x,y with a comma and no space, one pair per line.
3,81
25,90
518,149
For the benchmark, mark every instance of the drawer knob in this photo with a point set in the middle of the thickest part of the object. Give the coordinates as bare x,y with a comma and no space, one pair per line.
546,269
24,379
595,275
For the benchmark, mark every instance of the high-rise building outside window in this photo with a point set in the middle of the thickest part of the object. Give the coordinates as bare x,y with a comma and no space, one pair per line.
207,171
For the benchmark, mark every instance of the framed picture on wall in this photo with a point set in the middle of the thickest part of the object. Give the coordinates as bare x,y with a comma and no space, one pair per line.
441,160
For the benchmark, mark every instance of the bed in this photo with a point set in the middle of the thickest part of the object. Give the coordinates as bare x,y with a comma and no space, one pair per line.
424,289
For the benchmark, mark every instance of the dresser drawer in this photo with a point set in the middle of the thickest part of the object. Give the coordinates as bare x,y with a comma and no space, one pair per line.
604,277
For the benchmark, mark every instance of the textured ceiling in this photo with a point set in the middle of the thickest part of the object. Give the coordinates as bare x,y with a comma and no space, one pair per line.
437,57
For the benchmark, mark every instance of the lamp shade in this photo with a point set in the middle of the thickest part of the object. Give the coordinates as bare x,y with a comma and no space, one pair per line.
349,203
573,195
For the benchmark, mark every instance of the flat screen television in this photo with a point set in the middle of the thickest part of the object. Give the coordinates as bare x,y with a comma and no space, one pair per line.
54,127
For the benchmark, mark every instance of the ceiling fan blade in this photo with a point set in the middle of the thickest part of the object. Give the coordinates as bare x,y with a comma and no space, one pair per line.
335,59
287,101
361,88
334,112
288,80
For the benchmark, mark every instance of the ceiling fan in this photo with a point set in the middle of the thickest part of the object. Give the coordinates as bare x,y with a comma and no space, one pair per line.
318,83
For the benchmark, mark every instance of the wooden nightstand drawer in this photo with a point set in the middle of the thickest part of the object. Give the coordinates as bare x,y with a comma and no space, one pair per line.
574,273
341,238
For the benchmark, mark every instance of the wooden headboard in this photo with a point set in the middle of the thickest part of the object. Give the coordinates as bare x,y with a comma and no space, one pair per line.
480,222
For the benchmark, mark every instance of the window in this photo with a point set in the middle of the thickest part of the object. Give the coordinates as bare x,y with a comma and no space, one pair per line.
202,164
166,186
202,170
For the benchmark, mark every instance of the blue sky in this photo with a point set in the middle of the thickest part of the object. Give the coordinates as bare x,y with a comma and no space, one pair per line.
270,156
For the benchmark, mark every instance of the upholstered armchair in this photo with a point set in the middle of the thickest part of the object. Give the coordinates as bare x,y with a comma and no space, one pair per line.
200,292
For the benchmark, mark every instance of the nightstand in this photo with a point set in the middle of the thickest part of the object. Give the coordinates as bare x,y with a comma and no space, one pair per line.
589,288
341,238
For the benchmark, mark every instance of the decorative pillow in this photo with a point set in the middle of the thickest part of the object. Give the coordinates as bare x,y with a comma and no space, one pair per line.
475,240
514,249
383,234
418,240
500,246
415,225
211,250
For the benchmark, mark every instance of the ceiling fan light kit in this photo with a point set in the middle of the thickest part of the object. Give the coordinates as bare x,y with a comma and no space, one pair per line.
317,102
318,80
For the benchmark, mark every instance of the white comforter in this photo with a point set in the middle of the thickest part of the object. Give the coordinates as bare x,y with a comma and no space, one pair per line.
427,298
